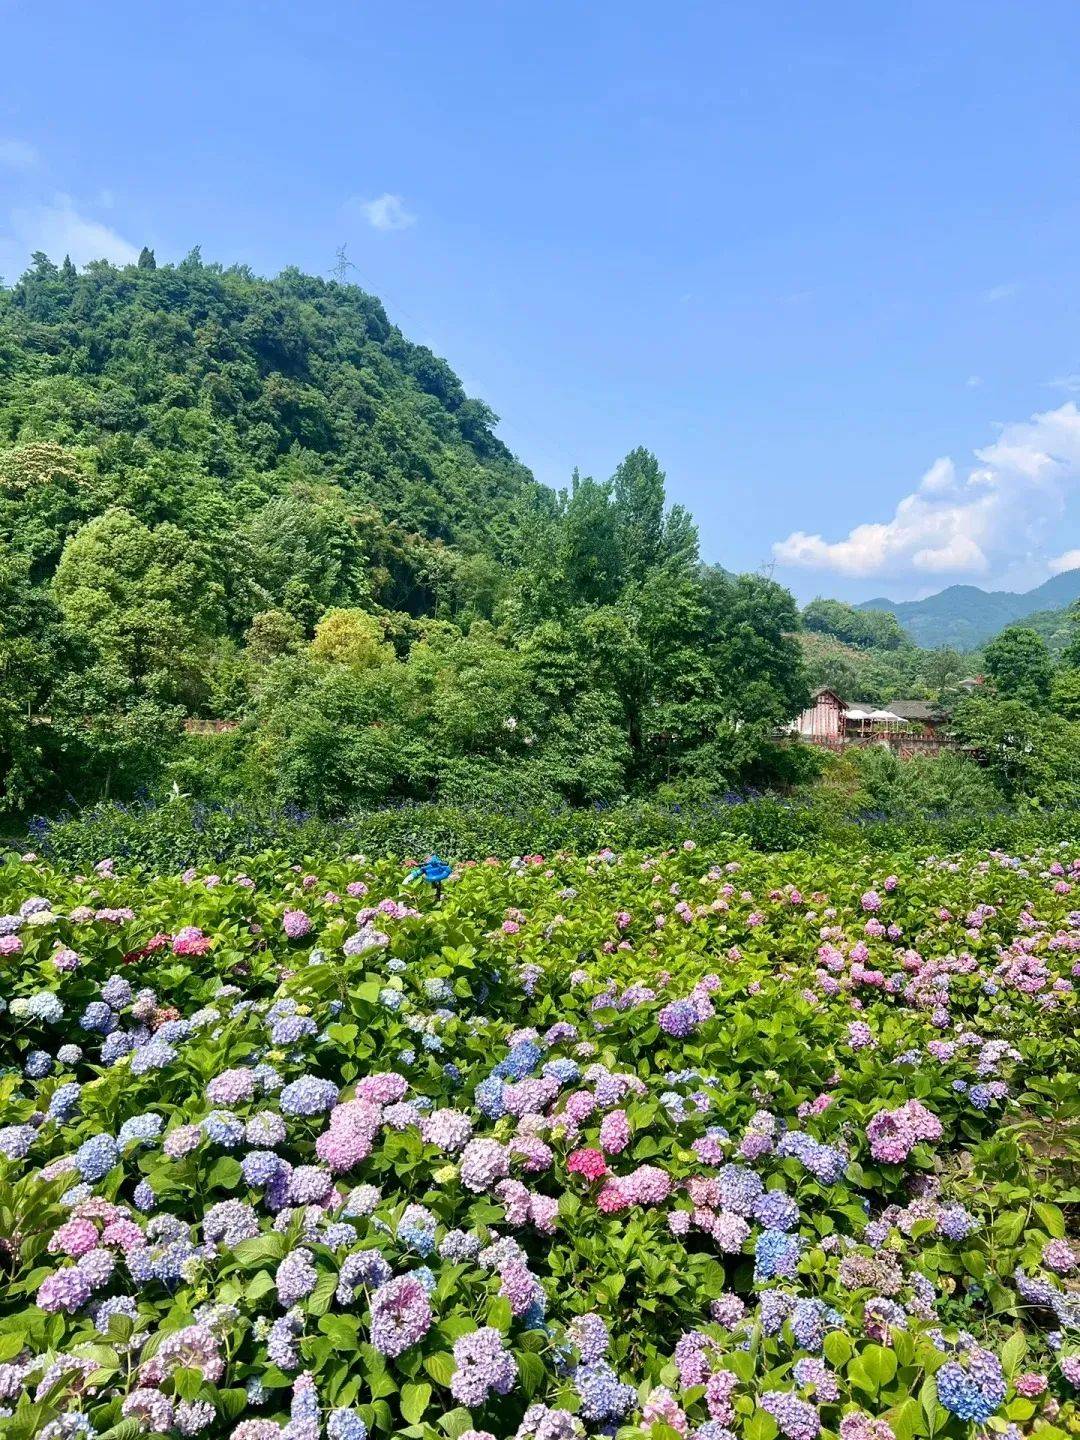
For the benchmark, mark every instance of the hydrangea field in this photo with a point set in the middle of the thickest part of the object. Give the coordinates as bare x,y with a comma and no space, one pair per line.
698,1144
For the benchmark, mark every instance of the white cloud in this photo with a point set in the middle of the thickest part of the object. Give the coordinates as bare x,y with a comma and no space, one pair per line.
385,212
59,229
997,516
1069,383
973,382
940,477
1000,292
1070,560
17,155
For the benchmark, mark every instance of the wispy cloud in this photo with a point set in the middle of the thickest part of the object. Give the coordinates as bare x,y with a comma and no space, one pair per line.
17,155
385,212
1000,292
1003,511
1070,560
60,229
1069,383
973,382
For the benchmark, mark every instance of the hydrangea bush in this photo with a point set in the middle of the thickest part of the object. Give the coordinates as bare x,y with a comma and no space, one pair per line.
682,1145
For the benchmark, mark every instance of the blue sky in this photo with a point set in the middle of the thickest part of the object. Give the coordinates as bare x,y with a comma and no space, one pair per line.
822,258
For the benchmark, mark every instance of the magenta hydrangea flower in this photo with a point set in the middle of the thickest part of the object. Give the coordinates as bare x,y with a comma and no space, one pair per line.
614,1132
1060,1256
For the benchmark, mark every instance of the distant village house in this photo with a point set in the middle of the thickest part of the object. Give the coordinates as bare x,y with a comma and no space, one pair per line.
909,726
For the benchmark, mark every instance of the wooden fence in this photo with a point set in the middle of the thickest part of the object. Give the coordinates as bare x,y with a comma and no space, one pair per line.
906,746
209,727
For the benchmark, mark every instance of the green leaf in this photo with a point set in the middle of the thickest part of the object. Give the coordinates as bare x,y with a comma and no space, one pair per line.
1020,1409
974,1262
13,1342
382,1384
232,1402
121,1327
880,1364
740,1363
225,1174
125,1430
928,1403
760,1426
440,1367
1013,1352
906,1420
259,1285
838,1349
414,1401
250,1254
1052,1219
187,1382
342,1331
319,1300
532,1372
275,1379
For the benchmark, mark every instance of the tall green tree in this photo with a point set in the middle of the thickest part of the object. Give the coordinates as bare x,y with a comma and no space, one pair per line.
31,654
139,599
1019,665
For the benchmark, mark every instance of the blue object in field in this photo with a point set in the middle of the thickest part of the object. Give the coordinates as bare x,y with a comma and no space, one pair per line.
434,871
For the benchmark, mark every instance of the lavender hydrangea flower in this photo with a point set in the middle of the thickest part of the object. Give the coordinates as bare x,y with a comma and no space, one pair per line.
482,1367
400,1315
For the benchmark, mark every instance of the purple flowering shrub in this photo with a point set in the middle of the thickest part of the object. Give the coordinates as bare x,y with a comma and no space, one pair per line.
685,1144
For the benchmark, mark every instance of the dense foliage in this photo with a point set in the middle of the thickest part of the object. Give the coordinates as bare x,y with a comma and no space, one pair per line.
703,1143
870,629
869,800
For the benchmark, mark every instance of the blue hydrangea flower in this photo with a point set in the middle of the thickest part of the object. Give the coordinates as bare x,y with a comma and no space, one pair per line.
309,1096
96,1157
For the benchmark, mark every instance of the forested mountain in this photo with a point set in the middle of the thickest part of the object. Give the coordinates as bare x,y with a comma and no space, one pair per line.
222,402
235,498
1057,628
965,617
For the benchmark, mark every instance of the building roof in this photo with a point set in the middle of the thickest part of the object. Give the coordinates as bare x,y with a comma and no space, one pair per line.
914,709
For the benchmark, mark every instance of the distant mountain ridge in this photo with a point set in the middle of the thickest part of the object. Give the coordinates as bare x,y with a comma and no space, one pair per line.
965,617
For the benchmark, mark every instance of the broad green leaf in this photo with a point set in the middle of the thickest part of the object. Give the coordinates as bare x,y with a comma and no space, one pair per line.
414,1401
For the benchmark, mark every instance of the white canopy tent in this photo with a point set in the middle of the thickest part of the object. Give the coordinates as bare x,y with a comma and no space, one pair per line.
886,717
864,721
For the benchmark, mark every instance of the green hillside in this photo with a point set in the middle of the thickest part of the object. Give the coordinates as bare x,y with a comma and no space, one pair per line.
217,400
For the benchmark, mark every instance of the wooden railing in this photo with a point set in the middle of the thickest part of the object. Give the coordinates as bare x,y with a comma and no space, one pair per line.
905,745
209,727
